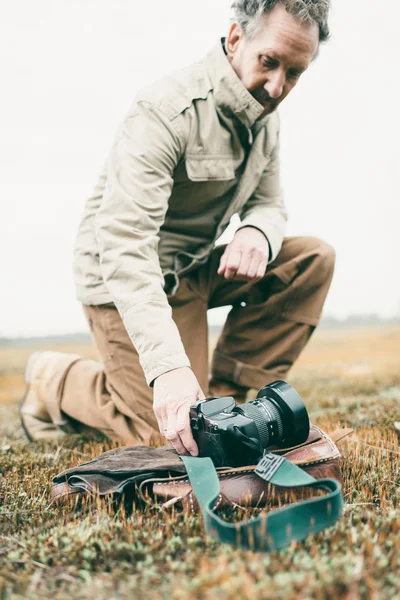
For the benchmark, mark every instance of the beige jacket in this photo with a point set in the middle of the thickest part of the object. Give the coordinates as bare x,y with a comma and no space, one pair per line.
191,152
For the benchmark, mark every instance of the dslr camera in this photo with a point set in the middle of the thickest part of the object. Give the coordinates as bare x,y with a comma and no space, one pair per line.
234,436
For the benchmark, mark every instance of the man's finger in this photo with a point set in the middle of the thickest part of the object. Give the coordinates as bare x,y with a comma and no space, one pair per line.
173,436
161,420
162,427
245,262
184,431
261,269
233,264
254,267
222,263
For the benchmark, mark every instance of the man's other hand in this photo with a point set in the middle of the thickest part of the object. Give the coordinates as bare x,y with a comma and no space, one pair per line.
246,257
174,393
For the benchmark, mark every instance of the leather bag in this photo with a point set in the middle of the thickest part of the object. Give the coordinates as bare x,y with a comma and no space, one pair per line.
289,478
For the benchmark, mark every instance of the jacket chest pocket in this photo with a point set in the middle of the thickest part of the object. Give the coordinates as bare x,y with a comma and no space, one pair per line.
209,168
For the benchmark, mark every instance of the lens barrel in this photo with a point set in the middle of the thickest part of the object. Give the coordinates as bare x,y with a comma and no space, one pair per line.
268,421
279,414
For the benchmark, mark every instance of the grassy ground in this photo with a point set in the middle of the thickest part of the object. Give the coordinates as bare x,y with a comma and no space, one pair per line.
346,377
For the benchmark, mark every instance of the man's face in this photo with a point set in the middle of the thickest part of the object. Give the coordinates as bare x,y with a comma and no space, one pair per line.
271,63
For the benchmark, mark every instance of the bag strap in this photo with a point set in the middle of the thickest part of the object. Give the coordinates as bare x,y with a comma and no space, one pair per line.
276,529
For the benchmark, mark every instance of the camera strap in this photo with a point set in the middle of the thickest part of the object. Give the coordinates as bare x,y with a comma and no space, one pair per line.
276,529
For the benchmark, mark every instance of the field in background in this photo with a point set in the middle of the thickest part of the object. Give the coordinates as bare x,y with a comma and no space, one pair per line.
347,377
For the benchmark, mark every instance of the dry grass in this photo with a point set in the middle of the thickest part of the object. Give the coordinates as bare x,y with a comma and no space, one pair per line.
346,377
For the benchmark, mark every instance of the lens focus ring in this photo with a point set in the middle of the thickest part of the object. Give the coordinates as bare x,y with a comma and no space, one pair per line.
254,413
263,413
273,414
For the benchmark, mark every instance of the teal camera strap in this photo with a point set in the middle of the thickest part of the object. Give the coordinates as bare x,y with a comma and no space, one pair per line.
273,530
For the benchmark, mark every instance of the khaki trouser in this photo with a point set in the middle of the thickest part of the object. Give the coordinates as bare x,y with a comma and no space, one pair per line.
269,324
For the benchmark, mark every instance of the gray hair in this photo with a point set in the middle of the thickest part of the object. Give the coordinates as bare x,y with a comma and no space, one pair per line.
248,13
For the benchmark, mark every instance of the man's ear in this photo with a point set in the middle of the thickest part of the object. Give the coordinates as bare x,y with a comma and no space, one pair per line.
233,39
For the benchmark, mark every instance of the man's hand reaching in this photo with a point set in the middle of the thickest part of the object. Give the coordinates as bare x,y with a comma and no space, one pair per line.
174,393
246,257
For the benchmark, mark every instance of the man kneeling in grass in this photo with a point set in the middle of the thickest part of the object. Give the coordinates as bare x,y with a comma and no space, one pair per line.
194,149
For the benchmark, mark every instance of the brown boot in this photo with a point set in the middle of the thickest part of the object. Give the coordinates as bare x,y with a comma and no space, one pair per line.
218,387
35,418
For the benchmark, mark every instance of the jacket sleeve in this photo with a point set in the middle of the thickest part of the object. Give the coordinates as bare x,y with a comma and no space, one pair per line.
265,209
135,201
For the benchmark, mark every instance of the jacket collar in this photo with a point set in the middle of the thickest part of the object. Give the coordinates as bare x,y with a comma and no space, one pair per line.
229,92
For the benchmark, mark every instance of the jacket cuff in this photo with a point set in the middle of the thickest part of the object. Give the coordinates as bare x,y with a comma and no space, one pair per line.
273,235
170,363
269,244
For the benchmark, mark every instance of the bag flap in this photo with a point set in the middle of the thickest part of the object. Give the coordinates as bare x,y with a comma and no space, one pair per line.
322,449
314,435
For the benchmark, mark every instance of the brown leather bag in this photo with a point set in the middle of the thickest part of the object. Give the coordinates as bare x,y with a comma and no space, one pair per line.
318,456
158,475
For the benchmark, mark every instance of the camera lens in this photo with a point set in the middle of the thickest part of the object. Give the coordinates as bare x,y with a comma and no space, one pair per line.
279,414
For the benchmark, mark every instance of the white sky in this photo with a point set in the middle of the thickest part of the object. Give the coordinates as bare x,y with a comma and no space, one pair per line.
70,70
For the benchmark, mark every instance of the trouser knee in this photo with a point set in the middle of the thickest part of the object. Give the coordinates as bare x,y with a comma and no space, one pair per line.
318,261
306,293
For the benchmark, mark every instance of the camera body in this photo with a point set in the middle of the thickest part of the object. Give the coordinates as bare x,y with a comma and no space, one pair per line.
238,435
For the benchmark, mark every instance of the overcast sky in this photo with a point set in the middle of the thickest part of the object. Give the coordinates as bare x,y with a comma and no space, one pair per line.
69,72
